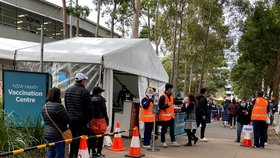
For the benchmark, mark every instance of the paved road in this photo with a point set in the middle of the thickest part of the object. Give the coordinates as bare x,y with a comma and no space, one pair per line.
221,145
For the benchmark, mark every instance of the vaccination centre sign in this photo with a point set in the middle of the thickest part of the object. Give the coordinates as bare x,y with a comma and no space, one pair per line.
24,94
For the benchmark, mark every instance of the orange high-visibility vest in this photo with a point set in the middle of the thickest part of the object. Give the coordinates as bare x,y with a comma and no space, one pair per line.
259,112
168,113
147,114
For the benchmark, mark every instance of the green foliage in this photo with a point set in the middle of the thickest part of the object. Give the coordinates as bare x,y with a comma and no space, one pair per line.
14,137
257,49
78,11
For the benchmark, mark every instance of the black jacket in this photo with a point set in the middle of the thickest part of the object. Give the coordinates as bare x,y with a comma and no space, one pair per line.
99,109
241,117
59,115
201,109
78,103
178,101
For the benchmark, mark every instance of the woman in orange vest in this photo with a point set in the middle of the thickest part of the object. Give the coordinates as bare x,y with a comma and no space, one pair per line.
259,116
166,115
147,116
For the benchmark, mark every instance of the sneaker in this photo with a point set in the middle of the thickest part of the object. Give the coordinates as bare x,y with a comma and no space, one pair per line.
265,143
204,139
231,127
237,141
147,146
98,155
174,144
164,145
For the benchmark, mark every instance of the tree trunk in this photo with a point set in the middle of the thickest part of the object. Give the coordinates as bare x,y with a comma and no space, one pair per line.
113,19
177,61
65,32
136,15
276,80
174,45
185,79
149,23
98,17
77,21
205,52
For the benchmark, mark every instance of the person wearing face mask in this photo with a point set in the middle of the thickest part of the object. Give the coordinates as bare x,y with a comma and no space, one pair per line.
166,115
147,116
243,118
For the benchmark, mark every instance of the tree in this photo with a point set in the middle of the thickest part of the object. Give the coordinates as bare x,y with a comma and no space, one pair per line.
64,12
260,50
98,17
136,14
78,12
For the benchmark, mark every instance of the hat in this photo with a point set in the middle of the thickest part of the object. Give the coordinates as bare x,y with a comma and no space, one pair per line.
97,90
80,76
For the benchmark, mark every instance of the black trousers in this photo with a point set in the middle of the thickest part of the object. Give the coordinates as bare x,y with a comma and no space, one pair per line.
191,135
96,145
77,128
148,132
259,133
232,118
203,127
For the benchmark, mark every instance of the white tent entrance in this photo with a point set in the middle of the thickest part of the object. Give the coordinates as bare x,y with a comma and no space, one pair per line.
132,61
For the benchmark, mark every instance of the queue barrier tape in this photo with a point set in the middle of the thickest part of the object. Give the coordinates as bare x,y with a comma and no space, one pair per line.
42,146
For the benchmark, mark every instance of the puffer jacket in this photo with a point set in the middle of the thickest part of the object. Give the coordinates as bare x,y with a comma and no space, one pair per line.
59,115
202,107
99,109
78,103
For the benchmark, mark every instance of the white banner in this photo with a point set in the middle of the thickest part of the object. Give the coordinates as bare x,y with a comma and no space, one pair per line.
247,129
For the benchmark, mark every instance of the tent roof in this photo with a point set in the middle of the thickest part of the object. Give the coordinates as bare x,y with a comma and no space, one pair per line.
135,56
8,47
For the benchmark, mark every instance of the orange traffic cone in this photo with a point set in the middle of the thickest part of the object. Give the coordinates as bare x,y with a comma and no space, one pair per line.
117,143
134,150
83,150
247,141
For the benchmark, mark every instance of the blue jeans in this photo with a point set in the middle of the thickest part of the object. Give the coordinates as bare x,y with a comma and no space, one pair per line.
259,133
56,151
165,125
239,130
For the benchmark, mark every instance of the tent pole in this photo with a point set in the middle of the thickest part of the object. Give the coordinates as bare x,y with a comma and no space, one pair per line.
14,63
42,48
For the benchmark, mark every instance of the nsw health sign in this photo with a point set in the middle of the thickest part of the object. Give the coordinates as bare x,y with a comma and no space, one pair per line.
24,94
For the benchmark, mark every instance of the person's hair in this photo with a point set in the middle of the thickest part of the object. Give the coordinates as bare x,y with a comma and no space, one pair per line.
54,95
168,86
260,94
150,89
193,98
233,101
202,90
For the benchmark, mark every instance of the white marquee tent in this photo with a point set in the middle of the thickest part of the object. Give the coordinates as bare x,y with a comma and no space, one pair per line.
8,47
129,56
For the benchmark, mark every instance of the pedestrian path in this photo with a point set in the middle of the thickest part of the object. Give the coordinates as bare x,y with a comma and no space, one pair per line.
221,145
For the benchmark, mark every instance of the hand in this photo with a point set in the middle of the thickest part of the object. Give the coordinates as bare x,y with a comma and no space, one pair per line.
203,117
169,104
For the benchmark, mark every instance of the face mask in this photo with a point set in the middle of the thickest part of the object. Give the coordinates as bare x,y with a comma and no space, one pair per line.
149,94
170,91
243,104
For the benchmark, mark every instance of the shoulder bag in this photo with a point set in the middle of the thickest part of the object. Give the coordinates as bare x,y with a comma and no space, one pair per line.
66,134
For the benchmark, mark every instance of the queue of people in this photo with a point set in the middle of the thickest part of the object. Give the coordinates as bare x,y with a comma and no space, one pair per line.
83,114
255,112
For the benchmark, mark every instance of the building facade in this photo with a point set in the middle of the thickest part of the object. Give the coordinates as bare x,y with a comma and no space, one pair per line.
22,19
